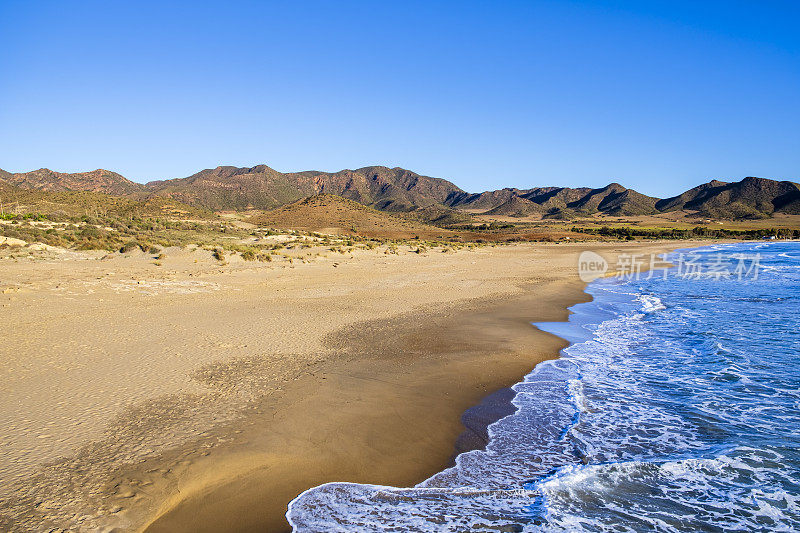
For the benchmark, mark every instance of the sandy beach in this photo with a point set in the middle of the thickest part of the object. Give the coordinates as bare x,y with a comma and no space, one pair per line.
196,396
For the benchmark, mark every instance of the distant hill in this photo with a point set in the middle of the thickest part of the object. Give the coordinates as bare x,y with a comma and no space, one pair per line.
102,181
613,199
329,213
430,200
749,198
516,206
80,203
484,201
438,215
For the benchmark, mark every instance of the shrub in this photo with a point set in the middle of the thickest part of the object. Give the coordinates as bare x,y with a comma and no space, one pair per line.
218,254
90,232
249,255
128,246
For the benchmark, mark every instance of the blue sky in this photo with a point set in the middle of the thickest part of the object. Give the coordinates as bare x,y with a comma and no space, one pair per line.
659,96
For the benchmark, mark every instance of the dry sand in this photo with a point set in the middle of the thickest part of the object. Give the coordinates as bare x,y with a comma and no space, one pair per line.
197,397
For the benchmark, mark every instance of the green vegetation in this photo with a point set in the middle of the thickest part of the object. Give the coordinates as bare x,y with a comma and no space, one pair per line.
486,226
129,247
699,232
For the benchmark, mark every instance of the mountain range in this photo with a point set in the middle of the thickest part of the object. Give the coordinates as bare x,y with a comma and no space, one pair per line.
400,190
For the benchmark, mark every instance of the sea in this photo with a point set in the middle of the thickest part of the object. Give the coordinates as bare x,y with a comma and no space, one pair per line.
676,407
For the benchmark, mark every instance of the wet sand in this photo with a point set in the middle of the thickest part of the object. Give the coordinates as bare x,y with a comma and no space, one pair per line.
196,397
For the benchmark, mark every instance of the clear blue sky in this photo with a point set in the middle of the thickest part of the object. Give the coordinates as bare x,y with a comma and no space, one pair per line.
658,95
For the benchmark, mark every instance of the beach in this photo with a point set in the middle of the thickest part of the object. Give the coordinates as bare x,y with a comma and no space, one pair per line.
192,395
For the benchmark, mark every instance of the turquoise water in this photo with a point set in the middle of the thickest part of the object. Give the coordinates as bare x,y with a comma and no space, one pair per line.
675,408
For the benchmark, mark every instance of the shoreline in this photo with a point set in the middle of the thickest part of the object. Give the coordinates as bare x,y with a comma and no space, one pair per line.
420,439
467,430
264,382
391,506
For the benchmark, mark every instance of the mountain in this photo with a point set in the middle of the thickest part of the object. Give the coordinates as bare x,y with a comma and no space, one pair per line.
261,187
516,206
389,189
556,199
749,198
613,199
706,190
433,200
232,188
483,201
44,179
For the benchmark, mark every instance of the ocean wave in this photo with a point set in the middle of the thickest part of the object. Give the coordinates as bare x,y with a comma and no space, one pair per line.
650,303
671,417
681,495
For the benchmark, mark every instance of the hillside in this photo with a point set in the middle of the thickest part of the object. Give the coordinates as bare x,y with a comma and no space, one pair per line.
484,201
226,188
749,198
390,189
102,181
79,203
556,199
327,213
516,206
614,199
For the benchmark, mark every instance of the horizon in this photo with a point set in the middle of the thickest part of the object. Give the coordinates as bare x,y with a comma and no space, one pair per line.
660,97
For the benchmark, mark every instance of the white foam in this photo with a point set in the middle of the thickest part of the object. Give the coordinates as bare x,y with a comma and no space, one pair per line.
625,431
